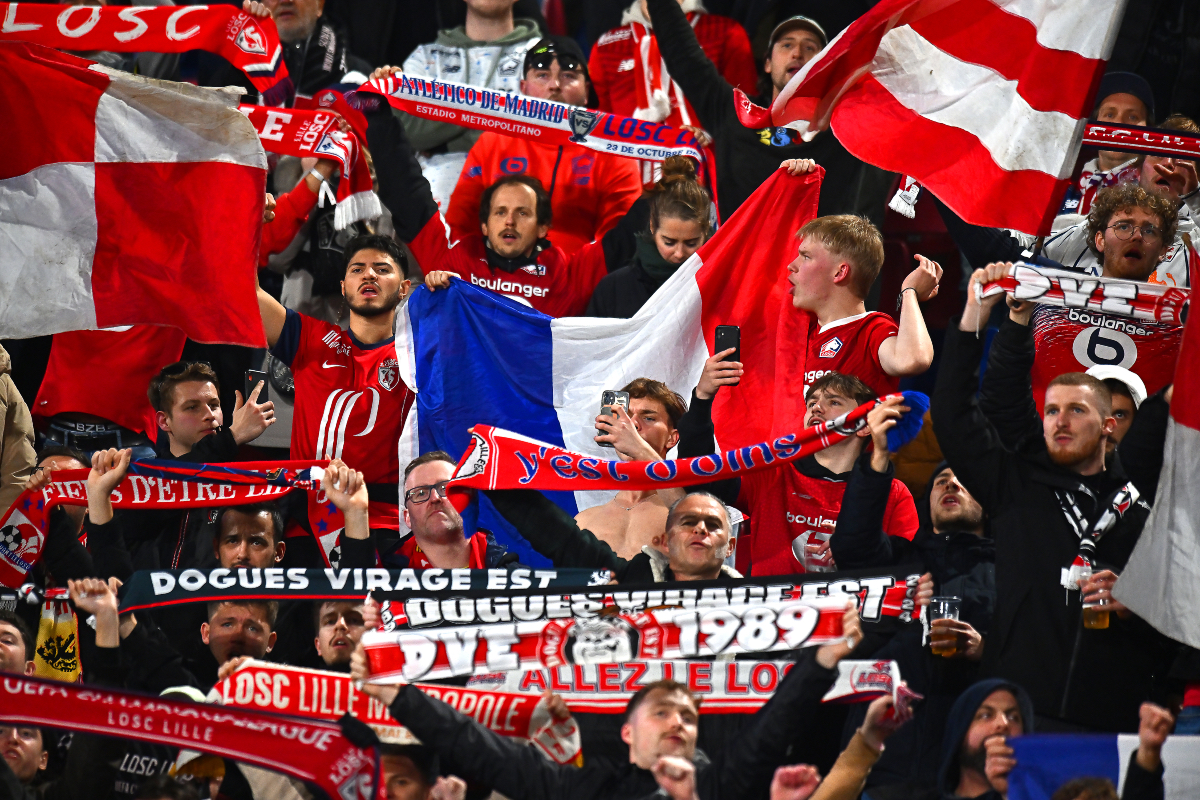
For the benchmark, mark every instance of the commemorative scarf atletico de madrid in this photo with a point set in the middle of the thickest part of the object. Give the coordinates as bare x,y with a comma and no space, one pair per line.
250,44
154,484
544,121
1057,287
308,750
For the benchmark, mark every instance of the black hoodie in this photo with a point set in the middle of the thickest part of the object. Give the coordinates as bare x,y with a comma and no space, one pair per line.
959,722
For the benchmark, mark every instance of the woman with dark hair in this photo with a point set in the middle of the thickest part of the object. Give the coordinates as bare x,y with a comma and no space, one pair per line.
680,221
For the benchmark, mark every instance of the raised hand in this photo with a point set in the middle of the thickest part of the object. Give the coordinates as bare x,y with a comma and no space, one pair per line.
828,655
621,432
968,641
718,373
99,597
676,777
1153,728
881,419
795,782
925,279
250,417
798,166
1000,761
360,672
439,278
108,470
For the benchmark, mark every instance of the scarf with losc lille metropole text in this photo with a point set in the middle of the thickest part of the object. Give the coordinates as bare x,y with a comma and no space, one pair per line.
156,484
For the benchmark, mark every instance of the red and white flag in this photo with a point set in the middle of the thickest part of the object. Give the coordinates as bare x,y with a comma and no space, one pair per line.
1161,581
982,101
125,201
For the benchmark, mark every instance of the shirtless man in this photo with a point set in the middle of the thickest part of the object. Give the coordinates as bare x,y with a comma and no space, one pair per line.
632,520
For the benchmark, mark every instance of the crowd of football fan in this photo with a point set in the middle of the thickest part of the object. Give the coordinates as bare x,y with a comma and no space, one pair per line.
992,498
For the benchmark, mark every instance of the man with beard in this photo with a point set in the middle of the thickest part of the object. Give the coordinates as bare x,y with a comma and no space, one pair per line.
1173,179
339,626
1052,504
352,401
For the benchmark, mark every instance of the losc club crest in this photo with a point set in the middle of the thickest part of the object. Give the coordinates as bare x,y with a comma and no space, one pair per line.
582,123
249,40
389,374
476,459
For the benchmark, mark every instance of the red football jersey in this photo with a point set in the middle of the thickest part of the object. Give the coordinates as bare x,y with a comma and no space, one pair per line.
351,402
784,505
106,373
850,346
557,285
1074,340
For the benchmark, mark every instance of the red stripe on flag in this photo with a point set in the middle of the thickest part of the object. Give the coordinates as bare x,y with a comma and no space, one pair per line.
769,402
1049,80
46,90
1185,398
960,171
178,245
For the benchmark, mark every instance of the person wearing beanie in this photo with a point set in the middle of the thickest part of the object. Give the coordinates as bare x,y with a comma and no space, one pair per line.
1124,98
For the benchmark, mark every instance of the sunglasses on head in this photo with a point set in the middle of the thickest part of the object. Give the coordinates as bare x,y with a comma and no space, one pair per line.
543,58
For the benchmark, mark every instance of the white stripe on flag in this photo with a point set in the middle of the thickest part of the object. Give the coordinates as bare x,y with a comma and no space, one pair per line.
48,234
139,120
664,341
941,88
1071,25
1161,581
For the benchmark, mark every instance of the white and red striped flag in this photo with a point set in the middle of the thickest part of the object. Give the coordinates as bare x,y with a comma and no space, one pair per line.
982,101
124,201
1161,581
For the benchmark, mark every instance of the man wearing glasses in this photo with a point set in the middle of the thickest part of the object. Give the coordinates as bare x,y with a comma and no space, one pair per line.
1128,230
437,537
589,191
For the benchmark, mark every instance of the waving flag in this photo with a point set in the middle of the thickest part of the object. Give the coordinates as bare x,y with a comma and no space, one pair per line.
481,358
1161,581
982,101
125,201
1046,761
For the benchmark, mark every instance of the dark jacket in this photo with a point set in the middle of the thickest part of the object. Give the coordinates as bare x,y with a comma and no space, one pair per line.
1036,637
621,294
959,722
962,563
745,158
554,534
742,770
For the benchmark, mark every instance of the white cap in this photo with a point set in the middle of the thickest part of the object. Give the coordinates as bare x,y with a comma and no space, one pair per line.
1137,389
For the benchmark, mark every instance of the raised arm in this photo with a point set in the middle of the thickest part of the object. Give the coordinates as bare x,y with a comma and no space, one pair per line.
1006,393
553,533
697,437
910,351
699,78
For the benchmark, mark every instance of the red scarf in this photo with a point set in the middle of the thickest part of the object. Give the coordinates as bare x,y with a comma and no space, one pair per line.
249,43
417,560
306,133
307,750
659,99
1055,287
154,484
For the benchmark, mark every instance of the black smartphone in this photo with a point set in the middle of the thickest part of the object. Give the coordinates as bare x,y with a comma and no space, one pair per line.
253,376
728,336
608,399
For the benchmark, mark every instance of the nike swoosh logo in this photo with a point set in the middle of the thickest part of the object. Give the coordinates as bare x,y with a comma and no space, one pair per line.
327,365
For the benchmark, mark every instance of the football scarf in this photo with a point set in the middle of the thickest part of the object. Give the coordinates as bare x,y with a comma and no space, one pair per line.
316,694
500,459
1089,535
308,750
1056,287
56,654
542,121
314,132
250,44
664,633
1146,141
153,483
168,587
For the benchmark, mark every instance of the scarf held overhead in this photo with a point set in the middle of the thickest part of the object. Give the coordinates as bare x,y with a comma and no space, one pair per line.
499,459
1055,287
542,121
151,484
316,133
308,750
664,633
317,694
250,44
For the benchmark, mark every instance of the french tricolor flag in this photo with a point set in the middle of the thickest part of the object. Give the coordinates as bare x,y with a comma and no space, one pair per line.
125,201
983,101
477,357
